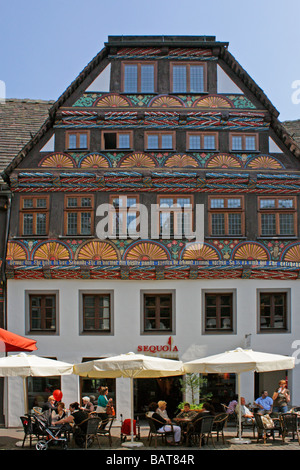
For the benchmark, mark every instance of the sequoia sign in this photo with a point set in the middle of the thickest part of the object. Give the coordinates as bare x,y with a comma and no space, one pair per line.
167,350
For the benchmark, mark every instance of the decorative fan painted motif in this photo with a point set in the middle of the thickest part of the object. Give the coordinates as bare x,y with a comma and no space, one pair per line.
200,252
146,251
97,251
58,160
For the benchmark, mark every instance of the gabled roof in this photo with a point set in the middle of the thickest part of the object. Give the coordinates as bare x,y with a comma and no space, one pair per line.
219,50
20,119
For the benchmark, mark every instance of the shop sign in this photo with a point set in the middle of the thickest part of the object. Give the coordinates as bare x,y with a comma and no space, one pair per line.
168,350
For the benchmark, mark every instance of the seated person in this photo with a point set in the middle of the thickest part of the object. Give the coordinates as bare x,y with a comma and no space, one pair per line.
163,424
208,409
87,405
59,413
186,413
232,404
162,409
265,403
77,417
247,415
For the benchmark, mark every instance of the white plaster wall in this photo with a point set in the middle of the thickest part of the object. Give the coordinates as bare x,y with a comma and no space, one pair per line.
71,347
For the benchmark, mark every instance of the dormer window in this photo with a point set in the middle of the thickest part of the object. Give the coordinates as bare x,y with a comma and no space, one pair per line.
188,78
139,77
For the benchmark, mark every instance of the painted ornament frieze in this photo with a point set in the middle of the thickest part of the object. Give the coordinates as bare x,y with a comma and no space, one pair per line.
95,160
116,100
216,251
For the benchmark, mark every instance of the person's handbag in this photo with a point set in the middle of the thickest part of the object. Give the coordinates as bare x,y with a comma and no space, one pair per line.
267,421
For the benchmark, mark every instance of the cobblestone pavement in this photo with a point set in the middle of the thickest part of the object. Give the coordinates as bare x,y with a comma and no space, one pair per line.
11,439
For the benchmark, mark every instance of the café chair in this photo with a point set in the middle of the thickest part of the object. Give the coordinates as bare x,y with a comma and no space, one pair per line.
200,430
289,424
104,429
220,421
155,433
264,430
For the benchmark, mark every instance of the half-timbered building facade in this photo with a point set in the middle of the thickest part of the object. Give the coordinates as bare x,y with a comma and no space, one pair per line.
163,124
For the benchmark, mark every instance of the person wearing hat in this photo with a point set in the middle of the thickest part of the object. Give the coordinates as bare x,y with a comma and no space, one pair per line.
87,405
162,410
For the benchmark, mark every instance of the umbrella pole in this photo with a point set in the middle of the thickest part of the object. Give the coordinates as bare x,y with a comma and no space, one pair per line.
25,395
239,440
132,443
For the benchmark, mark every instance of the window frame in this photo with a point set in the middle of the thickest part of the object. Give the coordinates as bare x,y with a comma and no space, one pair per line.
188,77
220,331
175,197
202,135
34,211
226,212
160,293
118,133
42,293
244,135
98,332
77,133
159,134
122,210
287,313
78,210
277,212
139,79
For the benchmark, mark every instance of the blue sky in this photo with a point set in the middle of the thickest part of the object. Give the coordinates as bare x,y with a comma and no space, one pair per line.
46,44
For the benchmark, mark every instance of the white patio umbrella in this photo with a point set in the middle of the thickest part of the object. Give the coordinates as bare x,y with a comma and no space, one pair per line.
237,361
133,366
28,365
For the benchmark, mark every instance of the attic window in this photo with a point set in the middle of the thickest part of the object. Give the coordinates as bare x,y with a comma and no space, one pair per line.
188,78
139,77
77,140
244,142
116,140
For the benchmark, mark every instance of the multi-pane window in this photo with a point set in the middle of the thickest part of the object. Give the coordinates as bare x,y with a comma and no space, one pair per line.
112,140
175,216
202,141
218,312
139,78
272,311
96,312
34,215
243,142
42,310
188,78
157,312
226,216
77,140
277,216
123,219
159,140
79,215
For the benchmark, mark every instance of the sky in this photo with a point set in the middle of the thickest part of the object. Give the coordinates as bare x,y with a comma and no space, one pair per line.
45,44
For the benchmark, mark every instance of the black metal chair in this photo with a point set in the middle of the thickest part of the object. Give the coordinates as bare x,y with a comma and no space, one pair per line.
220,421
289,424
199,430
28,429
154,432
105,431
